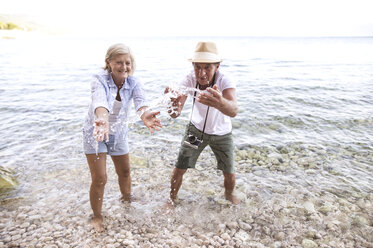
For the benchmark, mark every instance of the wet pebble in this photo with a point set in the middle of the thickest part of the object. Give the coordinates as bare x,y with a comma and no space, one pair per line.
225,236
309,207
307,243
279,236
24,225
245,226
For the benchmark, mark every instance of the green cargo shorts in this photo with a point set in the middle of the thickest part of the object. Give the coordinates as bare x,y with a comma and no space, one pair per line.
221,145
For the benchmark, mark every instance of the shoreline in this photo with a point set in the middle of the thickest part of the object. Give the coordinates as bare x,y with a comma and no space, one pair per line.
21,34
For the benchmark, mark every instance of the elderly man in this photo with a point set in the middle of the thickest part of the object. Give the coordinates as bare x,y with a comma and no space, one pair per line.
214,103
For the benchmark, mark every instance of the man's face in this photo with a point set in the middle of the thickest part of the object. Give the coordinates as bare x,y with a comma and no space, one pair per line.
205,72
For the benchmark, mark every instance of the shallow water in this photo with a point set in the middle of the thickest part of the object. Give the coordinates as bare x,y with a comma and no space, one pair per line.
303,145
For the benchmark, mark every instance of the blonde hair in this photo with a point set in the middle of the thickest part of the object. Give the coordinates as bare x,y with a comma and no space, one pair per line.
119,49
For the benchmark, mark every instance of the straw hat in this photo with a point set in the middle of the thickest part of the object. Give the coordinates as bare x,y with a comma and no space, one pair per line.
206,52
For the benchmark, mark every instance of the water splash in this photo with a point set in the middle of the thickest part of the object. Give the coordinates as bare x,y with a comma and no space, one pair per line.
163,103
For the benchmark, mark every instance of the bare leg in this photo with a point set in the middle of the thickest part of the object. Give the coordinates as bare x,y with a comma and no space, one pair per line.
97,166
229,183
176,181
122,167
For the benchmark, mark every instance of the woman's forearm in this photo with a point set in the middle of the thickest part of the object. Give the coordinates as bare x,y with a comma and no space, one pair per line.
102,113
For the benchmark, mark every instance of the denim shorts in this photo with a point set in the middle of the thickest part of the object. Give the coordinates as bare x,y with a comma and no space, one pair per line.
112,147
221,145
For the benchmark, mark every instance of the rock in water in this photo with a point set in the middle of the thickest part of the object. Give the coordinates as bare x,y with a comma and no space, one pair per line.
307,243
7,179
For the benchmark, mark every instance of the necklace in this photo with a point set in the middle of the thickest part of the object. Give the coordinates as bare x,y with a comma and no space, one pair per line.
203,87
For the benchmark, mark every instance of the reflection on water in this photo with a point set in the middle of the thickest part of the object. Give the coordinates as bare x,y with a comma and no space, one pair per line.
303,147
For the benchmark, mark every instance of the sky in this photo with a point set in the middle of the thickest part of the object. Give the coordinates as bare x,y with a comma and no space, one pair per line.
199,17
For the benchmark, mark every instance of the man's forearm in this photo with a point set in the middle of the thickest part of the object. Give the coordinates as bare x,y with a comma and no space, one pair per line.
228,107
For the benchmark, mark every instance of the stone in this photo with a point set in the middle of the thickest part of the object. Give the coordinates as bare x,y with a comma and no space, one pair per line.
242,235
16,237
360,221
279,236
309,207
310,234
232,225
245,226
225,236
242,154
25,225
307,243
7,179
325,209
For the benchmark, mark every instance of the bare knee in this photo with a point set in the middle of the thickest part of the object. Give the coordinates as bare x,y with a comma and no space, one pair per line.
229,176
178,173
99,181
123,172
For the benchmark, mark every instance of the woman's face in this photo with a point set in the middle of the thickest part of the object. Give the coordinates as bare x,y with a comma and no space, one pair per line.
205,72
120,67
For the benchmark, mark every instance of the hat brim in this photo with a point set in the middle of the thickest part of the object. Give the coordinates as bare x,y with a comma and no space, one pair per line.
200,60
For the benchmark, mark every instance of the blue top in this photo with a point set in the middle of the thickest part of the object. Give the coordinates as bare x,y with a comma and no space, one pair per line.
103,94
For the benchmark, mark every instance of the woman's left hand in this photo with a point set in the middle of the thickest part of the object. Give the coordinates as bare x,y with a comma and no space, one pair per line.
151,121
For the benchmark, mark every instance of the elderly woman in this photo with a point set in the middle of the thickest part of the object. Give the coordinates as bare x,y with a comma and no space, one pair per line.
105,127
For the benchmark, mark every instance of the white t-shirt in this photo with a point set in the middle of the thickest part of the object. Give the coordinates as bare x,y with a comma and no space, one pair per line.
217,123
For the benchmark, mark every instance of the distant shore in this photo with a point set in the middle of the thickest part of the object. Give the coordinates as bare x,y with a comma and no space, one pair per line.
20,34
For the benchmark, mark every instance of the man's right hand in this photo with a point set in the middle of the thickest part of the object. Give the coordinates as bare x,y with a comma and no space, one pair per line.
176,98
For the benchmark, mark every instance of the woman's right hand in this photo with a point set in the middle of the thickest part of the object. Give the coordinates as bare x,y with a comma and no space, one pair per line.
101,130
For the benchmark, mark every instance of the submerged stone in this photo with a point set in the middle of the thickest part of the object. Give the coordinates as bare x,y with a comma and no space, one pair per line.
7,179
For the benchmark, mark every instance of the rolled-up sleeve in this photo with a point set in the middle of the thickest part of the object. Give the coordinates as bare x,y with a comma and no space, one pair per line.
99,93
188,82
139,98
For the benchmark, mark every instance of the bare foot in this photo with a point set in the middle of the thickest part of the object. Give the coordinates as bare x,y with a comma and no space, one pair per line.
97,223
169,207
232,198
127,198
131,198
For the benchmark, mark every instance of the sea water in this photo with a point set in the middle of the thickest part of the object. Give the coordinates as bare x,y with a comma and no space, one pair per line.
303,139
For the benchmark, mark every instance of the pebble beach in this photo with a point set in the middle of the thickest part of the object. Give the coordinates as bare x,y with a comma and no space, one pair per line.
283,214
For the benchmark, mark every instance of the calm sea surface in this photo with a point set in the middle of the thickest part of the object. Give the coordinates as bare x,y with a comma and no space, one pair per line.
311,96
